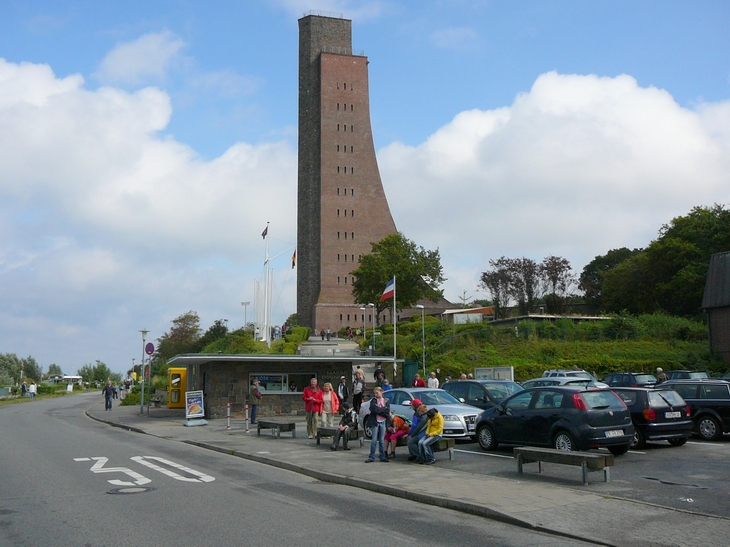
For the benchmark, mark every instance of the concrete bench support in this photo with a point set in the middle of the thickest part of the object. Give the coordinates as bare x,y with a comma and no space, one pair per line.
358,434
587,461
277,428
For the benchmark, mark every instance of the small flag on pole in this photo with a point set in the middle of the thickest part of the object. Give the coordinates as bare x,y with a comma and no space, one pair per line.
294,259
266,231
389,290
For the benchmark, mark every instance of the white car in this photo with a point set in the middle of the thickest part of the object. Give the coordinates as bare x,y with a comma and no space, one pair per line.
563,381
459,419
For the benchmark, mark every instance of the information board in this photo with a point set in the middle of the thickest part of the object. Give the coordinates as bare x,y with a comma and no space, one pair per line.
194,404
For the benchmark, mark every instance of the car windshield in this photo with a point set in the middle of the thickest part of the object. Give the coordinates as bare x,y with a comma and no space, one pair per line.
599,400
502,390
698,374
436,397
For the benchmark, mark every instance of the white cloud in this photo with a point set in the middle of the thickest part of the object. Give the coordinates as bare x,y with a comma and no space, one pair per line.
149,56
574,167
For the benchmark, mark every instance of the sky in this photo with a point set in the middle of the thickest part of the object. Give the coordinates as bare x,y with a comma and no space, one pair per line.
145,145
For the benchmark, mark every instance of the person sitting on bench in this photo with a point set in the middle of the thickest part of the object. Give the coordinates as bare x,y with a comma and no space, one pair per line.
347,422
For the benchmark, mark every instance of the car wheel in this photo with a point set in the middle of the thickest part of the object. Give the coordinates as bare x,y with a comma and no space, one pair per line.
366,428
486,438
564,441
678,442
619,450
709,428
639,441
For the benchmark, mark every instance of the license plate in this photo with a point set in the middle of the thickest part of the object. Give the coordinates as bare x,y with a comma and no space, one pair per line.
470,427
615,433
672,414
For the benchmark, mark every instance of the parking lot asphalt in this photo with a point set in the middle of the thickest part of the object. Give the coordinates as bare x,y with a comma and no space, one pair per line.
554,501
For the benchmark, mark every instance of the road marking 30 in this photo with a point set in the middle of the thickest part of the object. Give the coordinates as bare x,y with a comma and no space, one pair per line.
139,480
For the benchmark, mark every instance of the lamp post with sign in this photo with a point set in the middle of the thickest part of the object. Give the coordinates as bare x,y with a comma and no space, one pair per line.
141,370
149,349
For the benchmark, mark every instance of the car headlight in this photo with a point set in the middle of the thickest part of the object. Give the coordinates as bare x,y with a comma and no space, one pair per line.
451,418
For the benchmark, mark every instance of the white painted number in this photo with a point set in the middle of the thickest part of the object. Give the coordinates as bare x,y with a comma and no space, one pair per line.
139,480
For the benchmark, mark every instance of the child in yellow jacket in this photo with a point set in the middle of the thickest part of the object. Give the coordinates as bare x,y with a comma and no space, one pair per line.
434,430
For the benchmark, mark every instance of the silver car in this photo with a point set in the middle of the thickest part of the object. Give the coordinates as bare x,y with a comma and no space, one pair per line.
459,419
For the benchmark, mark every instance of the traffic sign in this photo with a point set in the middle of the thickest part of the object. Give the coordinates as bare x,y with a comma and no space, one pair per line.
149,349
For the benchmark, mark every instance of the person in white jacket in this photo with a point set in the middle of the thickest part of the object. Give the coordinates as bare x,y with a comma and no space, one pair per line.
433,381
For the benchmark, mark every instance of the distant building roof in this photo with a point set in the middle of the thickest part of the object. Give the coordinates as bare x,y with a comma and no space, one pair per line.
717,285
488,310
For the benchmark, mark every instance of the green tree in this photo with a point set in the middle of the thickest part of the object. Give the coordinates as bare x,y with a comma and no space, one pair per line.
559,280
53,368
184,337
591,279
98,373
418,273
497,281
216,331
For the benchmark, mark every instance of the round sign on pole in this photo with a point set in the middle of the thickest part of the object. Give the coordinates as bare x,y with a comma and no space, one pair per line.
149,349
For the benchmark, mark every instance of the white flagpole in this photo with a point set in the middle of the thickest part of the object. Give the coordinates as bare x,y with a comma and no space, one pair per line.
395,334
266,334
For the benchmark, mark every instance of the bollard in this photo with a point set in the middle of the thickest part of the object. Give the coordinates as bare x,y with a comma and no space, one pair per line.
247,418
228,416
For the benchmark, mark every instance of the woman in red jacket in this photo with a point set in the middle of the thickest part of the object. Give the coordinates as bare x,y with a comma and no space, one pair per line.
312,398
418,381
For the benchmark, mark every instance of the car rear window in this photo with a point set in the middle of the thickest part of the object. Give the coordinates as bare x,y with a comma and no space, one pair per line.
667,397
648,378
714,391
694,375
603,399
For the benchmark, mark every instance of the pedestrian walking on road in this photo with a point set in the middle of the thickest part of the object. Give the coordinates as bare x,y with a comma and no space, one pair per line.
108,391
377,421
312,397
255,398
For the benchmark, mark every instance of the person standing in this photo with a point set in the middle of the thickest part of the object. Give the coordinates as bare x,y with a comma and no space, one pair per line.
23,389
377,372
358,390
418,381
434,430
342,390
379,413
321,333
312,397
32,390
347,423
330,406
255,397
433,382
661,376
386,385
108,391
329,334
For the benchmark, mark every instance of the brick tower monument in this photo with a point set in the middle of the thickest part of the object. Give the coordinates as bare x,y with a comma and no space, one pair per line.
342,207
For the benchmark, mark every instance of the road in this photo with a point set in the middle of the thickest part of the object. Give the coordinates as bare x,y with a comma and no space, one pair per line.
68,480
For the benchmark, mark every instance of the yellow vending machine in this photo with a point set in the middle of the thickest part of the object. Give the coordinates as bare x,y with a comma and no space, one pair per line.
176,386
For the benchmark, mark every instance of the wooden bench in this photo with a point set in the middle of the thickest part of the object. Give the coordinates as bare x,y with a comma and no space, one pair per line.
277,428
587,461
159,397
358,434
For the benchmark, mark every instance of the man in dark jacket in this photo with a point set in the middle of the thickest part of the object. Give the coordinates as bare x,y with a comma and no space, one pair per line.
347,423
108,391
342,391
418,428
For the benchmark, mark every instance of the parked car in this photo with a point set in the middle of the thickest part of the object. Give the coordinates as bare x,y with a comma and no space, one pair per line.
459,419
657,414
564,381
569,373
562,417
482,393
630,379
686,374
709,401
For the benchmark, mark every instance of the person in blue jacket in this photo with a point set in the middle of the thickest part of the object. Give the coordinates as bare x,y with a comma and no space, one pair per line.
418,428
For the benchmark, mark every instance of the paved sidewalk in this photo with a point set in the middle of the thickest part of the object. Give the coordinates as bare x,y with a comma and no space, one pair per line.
555,509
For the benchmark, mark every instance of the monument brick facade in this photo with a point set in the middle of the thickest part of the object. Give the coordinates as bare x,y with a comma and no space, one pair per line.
342,207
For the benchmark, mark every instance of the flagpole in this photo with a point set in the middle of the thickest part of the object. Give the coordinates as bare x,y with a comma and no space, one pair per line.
395,334
267,290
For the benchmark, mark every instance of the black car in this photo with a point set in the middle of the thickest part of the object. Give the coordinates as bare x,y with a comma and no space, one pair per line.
709,401
658,415
686,374
630,379
562,417
482,393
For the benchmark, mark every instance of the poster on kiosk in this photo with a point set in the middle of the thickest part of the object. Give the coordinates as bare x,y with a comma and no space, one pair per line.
194,408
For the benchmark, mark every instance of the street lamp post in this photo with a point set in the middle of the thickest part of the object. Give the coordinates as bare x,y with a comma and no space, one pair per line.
141,398
372,319
423,336
364,325
245,321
